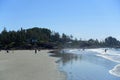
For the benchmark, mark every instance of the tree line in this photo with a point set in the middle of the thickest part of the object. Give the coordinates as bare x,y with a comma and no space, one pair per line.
43,38
109,42
32,38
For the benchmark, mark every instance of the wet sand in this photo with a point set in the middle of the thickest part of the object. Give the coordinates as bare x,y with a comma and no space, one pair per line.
26,65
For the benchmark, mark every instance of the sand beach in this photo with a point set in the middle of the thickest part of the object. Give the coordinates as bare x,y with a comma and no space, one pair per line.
26,65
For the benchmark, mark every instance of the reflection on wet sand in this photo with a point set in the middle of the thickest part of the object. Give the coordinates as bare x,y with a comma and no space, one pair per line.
66,58
69,58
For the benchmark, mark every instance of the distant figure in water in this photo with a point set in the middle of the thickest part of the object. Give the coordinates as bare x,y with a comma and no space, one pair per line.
35,51
106,50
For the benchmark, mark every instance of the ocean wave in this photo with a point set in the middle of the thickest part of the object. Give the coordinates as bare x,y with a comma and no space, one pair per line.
68,50
98,50
110,54
115,71
111,58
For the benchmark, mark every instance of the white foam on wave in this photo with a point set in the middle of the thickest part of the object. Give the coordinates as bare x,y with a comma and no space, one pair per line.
111,54
68,50
115,71
73,51
111,58
98,50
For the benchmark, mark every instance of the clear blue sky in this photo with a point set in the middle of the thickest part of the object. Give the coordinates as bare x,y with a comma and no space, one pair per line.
82,18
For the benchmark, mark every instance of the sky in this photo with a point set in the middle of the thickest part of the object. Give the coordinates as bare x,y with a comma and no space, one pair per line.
83,19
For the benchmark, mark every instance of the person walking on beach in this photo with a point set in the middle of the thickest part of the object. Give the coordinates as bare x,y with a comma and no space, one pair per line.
35,51
7,51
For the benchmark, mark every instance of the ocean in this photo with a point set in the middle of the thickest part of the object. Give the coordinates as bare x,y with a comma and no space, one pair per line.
90,64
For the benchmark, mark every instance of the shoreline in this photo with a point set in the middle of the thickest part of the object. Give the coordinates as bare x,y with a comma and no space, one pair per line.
26,65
